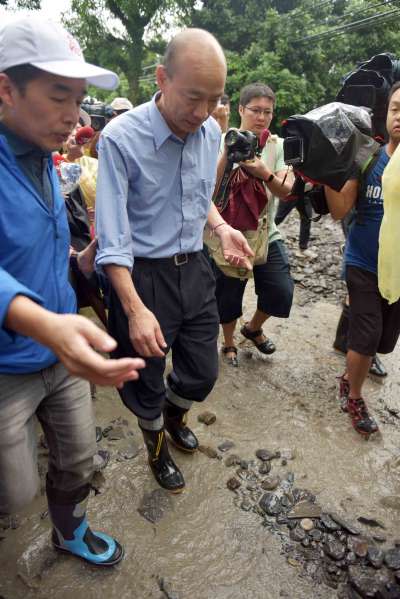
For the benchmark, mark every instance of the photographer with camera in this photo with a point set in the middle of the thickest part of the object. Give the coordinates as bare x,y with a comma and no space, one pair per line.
273,284
374,324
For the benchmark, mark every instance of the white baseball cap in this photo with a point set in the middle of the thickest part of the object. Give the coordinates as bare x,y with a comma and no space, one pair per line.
49,47
121,104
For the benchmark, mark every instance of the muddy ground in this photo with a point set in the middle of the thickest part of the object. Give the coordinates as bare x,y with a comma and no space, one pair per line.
203,546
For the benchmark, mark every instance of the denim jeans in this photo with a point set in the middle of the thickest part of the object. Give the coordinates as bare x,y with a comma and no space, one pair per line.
63,405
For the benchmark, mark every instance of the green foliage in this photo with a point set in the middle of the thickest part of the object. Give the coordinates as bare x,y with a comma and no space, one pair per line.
31,4
112,33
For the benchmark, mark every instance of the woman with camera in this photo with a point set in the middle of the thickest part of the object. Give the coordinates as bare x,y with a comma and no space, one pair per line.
273,284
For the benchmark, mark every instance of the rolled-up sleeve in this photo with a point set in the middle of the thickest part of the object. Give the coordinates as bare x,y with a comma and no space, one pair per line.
112,224
9,289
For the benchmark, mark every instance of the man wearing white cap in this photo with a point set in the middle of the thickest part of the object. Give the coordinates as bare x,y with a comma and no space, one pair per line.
44,346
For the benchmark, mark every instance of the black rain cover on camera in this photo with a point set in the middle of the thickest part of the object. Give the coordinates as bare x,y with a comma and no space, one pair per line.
336,137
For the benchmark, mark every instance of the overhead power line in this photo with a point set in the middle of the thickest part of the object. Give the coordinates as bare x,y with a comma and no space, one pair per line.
376,18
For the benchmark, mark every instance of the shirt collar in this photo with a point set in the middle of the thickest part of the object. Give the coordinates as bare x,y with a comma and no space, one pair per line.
19,146
161,131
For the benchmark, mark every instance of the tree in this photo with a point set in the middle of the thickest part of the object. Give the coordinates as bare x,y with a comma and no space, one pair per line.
112,32
31,4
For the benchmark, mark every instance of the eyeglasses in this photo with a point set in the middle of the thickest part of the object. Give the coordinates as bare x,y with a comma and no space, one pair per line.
259,111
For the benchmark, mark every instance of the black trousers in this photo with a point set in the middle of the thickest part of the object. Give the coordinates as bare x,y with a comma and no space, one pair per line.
284,208
182,298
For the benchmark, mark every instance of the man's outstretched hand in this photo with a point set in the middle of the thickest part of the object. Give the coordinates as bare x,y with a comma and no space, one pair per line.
235,248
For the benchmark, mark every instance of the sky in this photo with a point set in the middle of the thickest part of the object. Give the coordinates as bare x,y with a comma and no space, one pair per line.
50,8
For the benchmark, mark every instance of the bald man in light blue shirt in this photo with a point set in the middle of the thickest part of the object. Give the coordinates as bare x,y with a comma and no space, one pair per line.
157,171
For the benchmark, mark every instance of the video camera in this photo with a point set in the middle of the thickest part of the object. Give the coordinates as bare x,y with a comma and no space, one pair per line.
99,112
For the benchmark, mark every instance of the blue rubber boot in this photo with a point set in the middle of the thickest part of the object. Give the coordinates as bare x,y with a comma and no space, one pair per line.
72,534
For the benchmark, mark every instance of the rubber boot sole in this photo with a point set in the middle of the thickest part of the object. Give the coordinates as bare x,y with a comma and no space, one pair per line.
173,491
97,565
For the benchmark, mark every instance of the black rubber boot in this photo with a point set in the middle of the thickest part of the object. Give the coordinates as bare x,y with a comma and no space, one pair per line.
72,534
175,423
340,342
165,471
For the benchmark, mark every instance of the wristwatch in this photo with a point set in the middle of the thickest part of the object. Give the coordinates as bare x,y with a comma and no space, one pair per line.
270,178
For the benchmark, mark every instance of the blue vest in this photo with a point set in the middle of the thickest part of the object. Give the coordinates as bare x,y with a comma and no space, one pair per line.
34,259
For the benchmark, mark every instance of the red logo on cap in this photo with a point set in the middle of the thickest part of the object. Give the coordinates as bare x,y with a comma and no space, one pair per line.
73,45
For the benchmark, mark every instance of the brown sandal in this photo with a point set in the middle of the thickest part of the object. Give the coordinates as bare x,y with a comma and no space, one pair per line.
233,361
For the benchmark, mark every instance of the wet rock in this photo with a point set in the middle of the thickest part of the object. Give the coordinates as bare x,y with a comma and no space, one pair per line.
210,452
101,459
270,504
244,464
390,591
99,434
270,483
233,484
264,455
328,523
365,581
293,562
207,418
303,495
305,509
107,430
154,505
232,460
379,538
36,561
226,445
246,505
252,486
129,451
287,500
116,434
334,548
297,534
371,522
265,468
351,558
316,535
375,557
350,528
282,520
307,524
358,546
392,558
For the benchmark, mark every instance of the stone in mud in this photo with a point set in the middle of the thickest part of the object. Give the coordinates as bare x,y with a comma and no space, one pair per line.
265,468
358,546
293,562
297,534
305,509
347,526
232,460
154,505
244,464
270,483
307,524
392,558
226,445
371,522
129,451
116,434
303,495
36,560
252,486
351,558
233,484
210,452
264,455
375,557
287,500
207,418
365,581
246,505
379,538
334,548
282,520
328,523
316,535
271,504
